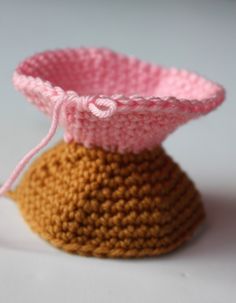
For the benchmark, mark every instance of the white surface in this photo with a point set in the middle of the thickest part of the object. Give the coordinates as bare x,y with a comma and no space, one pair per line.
198,35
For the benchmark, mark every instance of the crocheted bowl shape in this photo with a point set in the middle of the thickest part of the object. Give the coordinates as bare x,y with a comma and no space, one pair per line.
97,203
114,101
110,190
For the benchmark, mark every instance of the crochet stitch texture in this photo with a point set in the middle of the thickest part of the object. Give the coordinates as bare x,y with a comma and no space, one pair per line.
114,101
109,189
92,202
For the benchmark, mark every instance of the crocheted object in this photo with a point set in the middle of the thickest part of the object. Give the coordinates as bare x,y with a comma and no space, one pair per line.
99,83
110,189
93,202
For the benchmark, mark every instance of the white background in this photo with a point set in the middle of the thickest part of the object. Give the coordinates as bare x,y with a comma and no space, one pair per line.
197,35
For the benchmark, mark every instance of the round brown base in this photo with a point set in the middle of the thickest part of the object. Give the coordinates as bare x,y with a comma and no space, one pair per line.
97,203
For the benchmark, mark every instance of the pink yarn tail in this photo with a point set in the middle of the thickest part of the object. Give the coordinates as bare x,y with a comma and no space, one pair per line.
25,160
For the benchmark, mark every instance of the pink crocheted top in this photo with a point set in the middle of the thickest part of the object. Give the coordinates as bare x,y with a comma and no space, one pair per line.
105,99
113,101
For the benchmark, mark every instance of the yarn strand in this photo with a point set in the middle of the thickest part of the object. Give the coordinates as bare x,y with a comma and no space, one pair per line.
25,160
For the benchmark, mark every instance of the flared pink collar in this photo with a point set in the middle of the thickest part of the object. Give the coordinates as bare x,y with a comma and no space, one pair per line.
110,100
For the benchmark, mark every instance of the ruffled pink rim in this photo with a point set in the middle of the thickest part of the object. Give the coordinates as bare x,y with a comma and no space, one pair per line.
175,90
91,93
110,100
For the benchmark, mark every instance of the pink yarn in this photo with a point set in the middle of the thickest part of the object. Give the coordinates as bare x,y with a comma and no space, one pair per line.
109,100
16,172
140,103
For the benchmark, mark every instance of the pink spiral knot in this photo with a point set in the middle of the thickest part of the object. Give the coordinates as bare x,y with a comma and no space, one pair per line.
102,107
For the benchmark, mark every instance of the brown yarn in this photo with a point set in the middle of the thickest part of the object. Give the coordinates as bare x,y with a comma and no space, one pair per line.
93,202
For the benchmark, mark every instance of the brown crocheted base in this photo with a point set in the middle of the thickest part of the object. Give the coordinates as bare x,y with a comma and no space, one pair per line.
96,203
